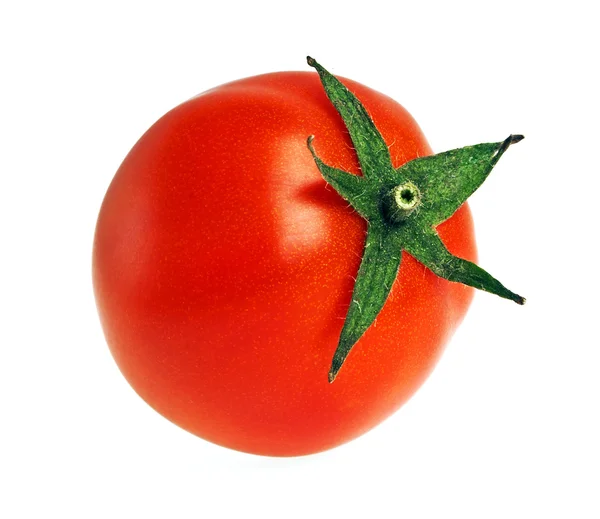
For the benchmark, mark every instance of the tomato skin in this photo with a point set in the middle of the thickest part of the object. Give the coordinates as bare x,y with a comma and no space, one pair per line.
223,267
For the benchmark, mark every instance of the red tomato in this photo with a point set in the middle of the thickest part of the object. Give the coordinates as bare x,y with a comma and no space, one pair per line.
223,267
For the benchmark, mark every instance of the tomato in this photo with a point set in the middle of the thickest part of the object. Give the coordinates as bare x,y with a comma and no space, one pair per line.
223,268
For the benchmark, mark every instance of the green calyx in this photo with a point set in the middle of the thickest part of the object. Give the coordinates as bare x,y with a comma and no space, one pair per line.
402,207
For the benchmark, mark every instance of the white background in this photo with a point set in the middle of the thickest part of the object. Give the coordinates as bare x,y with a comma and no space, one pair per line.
507,424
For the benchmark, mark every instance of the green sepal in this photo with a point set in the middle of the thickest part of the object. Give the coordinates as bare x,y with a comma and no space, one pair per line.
429,249
437,186
448,179
372,151
349,186
376,275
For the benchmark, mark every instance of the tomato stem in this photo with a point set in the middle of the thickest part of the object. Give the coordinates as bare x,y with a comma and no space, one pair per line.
400,202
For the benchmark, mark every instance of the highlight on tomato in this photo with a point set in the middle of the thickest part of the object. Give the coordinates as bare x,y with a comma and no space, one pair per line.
280,261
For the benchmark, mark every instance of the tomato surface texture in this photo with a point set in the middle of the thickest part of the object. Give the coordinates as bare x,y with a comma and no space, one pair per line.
223,267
